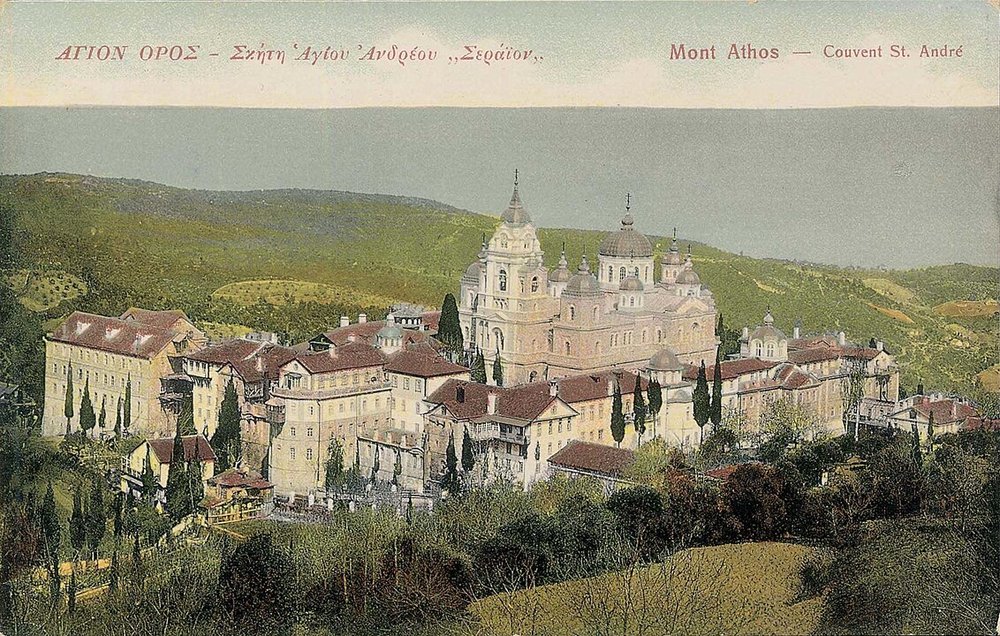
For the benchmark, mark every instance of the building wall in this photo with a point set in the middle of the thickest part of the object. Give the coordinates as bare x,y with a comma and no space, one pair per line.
108,373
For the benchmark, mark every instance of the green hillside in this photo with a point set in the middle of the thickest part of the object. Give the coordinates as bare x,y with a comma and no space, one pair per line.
138,243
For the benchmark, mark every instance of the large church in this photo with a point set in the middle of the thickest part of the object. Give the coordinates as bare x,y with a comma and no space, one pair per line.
546,324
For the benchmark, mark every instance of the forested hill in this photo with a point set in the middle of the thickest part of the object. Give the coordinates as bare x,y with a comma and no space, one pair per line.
292,261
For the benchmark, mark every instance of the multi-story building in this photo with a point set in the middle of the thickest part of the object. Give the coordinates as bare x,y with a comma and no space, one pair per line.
544,324
110,354
156,454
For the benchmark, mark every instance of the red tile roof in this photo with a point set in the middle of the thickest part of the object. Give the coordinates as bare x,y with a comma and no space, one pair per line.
114,335
582,388
593,458
234,477
722,473
365,332
165,319
981,423
164,448
422,361
946,411
356,355
818,354
731,368
431,319
254,361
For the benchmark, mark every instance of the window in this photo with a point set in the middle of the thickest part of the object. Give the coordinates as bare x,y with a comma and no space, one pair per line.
611,273
503,280
572,312
759,349
534,284
770,350
309,432
600,434
311,410
550,428
567,347
293,431
560,427
309,454
291,454
621,274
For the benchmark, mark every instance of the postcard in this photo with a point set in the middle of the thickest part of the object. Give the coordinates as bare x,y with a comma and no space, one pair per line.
500,318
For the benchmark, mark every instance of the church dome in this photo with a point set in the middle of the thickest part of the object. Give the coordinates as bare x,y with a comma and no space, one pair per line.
561,274
583,282
515,214
391,330
673,257
626,242
665,360
631,283
768,331
688,277
473,272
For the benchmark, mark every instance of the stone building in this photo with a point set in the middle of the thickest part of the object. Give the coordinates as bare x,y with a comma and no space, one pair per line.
546,324
108,354
157,455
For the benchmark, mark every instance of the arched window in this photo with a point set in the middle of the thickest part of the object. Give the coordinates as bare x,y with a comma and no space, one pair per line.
567,347
631,301
498,336
621,274
637,272
551,345
759,349
659,335
611,273
645,273
503,280
572,312
597,346
770,350
644,336
534,283
595,310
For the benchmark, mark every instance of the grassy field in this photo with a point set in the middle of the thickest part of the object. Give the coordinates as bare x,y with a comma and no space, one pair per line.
212,253
44,289
749,588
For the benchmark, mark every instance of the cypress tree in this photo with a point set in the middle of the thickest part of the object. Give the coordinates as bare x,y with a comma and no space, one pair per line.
638,408
915,453
71,591
87,417
150,482
178,499
478,371
375,466
468,459
51,535
449,327
654,396
185,419
334,466
617,417
77,523
397,468
119,505
497,370
118,420
68,404
127,406
138,572
103,420
702,402
930,431
450,482
715,413
97,517
196,484
226,442
115,571
409,510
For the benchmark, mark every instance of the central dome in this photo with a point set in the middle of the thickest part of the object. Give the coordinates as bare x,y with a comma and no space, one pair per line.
626,242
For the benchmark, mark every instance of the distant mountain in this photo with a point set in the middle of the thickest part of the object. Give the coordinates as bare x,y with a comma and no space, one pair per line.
141,243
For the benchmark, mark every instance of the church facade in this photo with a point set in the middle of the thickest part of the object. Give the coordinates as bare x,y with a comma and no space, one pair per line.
548,324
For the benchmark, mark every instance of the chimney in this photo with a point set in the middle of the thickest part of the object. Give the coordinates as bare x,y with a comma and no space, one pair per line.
491,403
344,321
260,363
954,410
553,388
460,394
362,318
332,350
880,345
746,333
842,339
795,332
611,386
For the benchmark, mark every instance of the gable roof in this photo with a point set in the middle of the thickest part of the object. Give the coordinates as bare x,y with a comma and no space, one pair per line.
235,477
596,459
356,355
195,446
423,361
114,335
364,332
165,319
731,368
253,361
582,388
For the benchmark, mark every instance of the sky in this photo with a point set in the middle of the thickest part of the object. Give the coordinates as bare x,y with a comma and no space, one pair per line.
583,54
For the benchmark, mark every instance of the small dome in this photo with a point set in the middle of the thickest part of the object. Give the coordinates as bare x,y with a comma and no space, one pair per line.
473,272
583,282
631,283
768,332
560,275
673,257
626,242
688,277
391,330
665,360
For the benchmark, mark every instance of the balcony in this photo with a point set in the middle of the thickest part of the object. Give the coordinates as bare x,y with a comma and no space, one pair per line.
494,431
328,393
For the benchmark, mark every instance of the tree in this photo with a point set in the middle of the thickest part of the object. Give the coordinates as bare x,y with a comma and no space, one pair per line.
654,398
185,419
118,420
715,413
51,536
150,484
930,431
195,484
114,573
334,478
97,517
478,371
916,454
227,442
71,591
639,517
756,495
103,420
119,520
256,585
617,417
88,419
497,370
852,391
638,408
468,458
68,404
138,571
397,468
77,522
127,405
375,466
702,402
449,327
178,498
450,482
729,339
